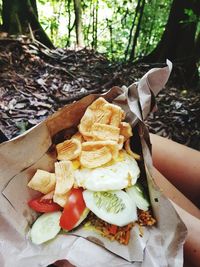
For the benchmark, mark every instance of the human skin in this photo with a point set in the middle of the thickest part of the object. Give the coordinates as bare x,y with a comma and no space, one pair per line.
189,214
177,197
179,164
180,167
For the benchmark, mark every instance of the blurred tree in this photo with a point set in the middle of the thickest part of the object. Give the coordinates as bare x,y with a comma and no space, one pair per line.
141,4
70,26
178,40
78,23
17,15
95,24
132,27
197,47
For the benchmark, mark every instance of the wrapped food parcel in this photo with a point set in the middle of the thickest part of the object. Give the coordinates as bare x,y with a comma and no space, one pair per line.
20,158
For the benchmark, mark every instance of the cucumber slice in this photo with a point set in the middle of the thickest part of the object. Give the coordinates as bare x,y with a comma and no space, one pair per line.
114,207
137,196
45,227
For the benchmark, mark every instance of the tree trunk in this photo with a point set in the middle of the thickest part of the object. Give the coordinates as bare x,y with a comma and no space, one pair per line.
132,27
109,26
197,47
78,23
89,24
34,6
17,15
96,22
69,23
132,54
93,25
178,40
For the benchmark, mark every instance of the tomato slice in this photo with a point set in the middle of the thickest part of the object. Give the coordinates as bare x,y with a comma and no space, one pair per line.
73,209
42,204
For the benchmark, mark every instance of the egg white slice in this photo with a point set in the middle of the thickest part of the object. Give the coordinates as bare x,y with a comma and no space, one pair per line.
117,176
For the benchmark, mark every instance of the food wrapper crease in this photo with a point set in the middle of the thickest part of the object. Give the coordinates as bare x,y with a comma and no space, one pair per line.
161,245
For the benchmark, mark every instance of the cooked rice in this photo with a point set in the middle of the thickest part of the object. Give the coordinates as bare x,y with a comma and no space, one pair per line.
120,234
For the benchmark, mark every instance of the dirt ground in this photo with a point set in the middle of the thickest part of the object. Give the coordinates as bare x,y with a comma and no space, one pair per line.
36,81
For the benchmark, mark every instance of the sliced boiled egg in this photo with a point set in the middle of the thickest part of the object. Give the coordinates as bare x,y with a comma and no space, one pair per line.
117,175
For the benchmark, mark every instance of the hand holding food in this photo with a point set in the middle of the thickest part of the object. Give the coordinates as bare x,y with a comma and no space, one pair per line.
96,173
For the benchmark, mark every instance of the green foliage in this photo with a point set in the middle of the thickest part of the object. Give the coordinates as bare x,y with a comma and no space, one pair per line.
106,24
192,17
51,16
153,24
1,12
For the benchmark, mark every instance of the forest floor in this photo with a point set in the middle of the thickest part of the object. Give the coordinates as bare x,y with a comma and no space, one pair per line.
36,81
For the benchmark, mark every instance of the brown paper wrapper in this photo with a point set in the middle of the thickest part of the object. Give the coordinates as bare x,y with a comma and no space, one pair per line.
161,245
